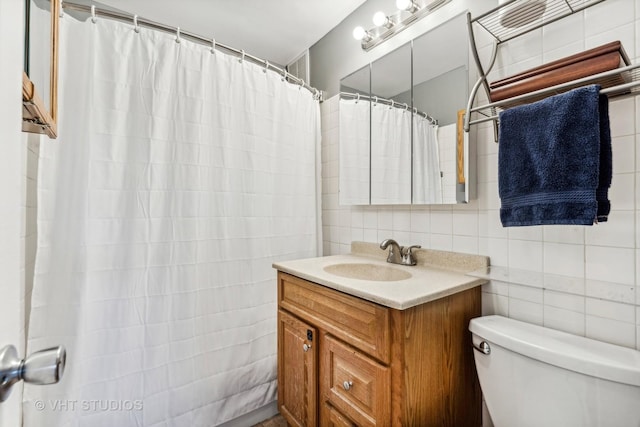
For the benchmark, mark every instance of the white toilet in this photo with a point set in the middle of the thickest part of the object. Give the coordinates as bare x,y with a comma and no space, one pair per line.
536,376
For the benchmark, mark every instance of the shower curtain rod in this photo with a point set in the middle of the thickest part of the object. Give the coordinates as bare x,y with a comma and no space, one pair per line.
137,21
390,102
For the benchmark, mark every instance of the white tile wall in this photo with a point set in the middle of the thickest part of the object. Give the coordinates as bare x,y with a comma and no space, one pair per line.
605,306
564,320
563,259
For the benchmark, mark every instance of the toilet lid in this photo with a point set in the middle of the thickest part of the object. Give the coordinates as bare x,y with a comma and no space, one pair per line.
568,351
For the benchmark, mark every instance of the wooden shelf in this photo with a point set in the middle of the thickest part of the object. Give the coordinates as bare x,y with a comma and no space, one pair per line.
35,115
588,63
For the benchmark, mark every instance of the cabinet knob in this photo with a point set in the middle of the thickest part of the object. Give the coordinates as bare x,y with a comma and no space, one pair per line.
306,347
347,385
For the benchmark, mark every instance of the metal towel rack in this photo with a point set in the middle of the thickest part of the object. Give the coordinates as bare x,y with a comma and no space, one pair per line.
554,11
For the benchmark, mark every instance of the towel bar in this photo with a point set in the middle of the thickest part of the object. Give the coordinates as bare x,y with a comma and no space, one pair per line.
614,91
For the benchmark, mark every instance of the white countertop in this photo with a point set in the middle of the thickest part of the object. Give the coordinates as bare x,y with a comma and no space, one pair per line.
427,283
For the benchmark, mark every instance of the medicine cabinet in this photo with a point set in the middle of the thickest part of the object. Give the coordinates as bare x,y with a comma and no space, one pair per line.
40,75
401,134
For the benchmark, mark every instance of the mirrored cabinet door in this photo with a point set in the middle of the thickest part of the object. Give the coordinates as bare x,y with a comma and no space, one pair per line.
391,128
355,138
440,92
401,138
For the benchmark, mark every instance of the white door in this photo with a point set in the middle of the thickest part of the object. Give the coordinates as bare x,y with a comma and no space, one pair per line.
11,190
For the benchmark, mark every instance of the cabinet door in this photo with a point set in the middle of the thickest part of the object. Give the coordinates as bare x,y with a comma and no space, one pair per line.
332,418
297,362
355,384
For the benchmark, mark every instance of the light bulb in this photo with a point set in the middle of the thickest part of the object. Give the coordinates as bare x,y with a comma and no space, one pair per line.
408,5
403,4
379,19
358,33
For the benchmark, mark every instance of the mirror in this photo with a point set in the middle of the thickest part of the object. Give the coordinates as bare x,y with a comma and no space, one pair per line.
418,152
40,76
391,128
355,131
441,90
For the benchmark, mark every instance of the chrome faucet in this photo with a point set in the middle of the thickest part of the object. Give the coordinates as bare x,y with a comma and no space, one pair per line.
395,251
399,254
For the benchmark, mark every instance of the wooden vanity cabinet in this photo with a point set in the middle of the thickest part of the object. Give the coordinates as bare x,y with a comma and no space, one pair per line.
370,365
297,367
332,418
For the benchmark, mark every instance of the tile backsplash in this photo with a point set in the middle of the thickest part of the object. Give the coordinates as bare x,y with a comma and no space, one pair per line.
590,282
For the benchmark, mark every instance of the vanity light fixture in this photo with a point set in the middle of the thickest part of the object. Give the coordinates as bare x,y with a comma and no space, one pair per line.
382,20
408,5
409,12
360,33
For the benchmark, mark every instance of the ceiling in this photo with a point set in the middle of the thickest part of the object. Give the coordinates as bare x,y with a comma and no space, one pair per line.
276,30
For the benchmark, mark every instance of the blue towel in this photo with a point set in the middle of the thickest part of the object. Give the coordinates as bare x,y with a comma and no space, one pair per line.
554,160
606,164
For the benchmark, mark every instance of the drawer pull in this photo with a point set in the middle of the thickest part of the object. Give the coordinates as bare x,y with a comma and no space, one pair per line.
306,347
347,385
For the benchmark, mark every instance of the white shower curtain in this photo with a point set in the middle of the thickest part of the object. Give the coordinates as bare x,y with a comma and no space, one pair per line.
390,155
178,177
427,176
354,151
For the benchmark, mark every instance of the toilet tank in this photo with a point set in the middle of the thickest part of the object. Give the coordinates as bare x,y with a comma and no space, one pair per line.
536,376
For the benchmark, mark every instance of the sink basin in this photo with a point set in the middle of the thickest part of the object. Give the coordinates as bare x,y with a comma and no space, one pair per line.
365,271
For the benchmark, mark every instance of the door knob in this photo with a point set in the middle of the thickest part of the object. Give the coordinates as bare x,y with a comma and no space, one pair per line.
42,367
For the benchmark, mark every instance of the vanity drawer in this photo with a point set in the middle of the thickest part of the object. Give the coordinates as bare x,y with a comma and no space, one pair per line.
355,384
332,418
363,324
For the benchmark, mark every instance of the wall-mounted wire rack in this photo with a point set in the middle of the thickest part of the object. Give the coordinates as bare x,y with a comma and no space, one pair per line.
524,19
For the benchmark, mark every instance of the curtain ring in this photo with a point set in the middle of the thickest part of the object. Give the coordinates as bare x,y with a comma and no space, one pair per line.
136,28
266,65
242,55
213,46
284,75
393,104
93,14
301,84
357,97
375,100
406,107
178,35
61,14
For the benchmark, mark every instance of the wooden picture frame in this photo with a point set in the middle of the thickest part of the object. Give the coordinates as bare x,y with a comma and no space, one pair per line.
36,117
